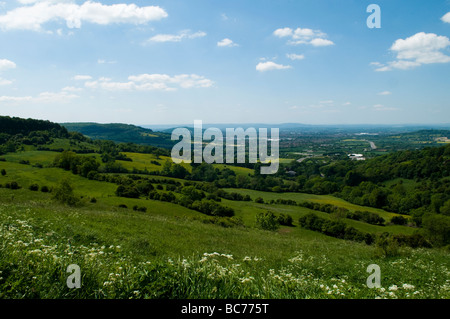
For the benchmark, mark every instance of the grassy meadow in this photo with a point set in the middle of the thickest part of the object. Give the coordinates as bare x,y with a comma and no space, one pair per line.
170,251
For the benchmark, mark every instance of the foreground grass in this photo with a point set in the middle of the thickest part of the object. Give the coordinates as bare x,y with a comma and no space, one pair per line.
127,254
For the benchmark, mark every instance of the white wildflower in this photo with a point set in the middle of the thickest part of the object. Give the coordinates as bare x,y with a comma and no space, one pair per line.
393,288
408,287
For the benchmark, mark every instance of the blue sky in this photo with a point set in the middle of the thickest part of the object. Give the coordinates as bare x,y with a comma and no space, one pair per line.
247,61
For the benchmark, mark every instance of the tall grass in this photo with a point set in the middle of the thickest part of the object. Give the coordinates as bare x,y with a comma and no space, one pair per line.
34,259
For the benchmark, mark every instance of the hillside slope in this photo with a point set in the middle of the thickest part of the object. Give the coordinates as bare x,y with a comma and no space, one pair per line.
122,133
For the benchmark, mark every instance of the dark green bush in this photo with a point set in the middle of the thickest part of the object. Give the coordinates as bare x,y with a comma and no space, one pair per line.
267,221
34,187
399,220
64,194
259,200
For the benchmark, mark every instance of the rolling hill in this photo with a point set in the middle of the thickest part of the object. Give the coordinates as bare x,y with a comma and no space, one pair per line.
121,133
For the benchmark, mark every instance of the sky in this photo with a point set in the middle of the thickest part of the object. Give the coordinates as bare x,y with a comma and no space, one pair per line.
235,61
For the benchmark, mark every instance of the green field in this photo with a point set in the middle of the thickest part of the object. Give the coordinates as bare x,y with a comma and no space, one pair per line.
165,252
170,251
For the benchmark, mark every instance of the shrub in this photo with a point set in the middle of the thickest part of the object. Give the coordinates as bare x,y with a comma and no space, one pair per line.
387,246
210,207
154,195
367,217
3,172
259,200
64,194
285,219
399,220
171,188
44,189
413,241
436,228
12,185
127,191
93,200
34,187
123,206
267,221
167,197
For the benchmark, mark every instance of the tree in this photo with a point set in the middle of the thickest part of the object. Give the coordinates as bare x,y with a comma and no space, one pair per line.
437,228
3,172
285,219
267,221
445,209
64,194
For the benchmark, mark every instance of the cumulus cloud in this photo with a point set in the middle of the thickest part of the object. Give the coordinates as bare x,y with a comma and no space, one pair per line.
186,34
303,36
269,65
226,43
6,64
321,42
421,48
294,56
150,82
34,14
446,17
283,32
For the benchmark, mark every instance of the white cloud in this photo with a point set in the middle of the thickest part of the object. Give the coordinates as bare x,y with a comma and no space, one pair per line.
103,61
4,82
52,97
46,97
186,34
421,48
268,66
385,93
446,17
294,56
226,43
6,64
303,36
284,32
71,89
15,98
33,17
82,77
150,82
321,42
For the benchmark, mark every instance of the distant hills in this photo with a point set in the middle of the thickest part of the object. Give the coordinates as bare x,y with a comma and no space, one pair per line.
313,128
160,135
121,133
